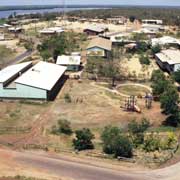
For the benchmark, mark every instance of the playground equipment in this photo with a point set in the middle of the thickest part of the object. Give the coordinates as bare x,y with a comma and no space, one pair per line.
148,100
131,104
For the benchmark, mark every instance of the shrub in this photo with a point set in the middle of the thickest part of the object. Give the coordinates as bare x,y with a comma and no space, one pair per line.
63,127
144,60
109,136
67,98
115,143
152,143
83,140
135,127
123,147
137,130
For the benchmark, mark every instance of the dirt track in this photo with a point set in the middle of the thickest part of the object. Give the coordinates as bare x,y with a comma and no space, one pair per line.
58,166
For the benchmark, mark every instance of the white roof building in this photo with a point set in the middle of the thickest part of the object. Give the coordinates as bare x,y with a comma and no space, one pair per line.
165,40
22,81
13,70
152,21
169,59
52,30
68,60
43,75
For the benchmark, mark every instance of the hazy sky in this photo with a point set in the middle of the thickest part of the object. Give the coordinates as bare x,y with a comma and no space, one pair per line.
119,2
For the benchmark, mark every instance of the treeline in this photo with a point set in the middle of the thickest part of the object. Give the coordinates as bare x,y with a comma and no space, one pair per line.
170,16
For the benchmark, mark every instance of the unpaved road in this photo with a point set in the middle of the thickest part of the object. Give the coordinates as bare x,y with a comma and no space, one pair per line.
66,167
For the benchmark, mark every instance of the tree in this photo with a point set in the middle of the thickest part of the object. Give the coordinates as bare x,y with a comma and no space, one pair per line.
111,69
176,76
83,139
115,143
57,45
169,100
132,18
156,49
159,82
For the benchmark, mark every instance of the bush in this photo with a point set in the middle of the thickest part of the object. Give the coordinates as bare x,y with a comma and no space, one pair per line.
152,143
115,143
123,147
135,127
137,130
176,76
156,49
83,140
63,127
67,98
109,136
144,60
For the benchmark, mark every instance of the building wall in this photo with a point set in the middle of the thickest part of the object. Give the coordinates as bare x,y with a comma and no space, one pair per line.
96,51
72,68
176,67
22,91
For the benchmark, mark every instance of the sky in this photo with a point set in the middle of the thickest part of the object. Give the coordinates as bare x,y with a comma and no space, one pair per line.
85,2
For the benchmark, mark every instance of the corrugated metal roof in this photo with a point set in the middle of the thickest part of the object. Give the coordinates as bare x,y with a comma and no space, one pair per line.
165,40
52,30
43,75
94,28
12,70
100,42
68,60
170,56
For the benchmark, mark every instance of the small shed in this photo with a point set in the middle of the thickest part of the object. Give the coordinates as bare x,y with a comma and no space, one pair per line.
71,62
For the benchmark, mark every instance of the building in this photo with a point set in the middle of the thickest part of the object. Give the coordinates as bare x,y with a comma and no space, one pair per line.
117,20
153,28
2,37
165,40
51,31
152,21
16,30
99,47
25,81
71,62
169,60
95,30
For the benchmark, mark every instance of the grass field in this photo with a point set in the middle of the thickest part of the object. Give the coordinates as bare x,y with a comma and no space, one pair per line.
133,90
6,54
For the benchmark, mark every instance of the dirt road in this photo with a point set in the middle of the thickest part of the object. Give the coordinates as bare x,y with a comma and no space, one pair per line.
69,168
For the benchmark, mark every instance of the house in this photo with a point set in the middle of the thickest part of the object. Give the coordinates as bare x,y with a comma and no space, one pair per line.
165,40
95,30
25,81
168,60
152,21
51,31
71,62
99,47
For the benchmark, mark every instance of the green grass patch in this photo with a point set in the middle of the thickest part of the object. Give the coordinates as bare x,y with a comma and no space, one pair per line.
112,95
162,129
133,90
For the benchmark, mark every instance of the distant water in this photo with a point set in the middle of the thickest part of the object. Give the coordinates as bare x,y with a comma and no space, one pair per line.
5,14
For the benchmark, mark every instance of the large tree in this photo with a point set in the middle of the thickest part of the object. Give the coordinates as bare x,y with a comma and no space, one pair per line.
57,45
